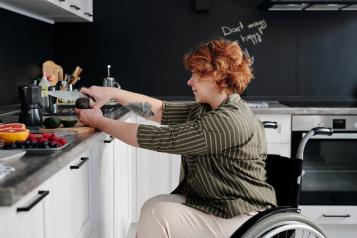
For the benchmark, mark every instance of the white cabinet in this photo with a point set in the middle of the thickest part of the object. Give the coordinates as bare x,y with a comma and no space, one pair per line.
52,10
337,221
124,186
278,138
87,6
21,224
57,208
112,189
67,211
157,173
102,188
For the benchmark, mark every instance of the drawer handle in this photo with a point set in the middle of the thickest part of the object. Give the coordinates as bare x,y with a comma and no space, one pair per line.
270,124
75,7
345,216
109,140
83,160
42,194
88,14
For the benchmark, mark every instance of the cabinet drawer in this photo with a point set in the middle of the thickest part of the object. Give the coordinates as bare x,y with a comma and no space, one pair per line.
67,209
279,149
79,193
28,222
331,214
282,133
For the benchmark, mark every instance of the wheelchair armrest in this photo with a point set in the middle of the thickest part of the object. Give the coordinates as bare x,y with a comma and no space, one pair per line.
262,215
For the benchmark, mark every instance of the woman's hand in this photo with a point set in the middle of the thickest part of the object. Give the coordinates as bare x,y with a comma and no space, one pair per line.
90,117
101,94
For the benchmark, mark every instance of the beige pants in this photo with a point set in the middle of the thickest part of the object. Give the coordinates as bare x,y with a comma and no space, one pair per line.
165,216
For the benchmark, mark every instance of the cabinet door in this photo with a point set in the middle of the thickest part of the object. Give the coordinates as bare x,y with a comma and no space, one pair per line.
102,188
23,224
279,149
157,173
281,134
337,221
75,5
87,6
67,210
60,3
122,188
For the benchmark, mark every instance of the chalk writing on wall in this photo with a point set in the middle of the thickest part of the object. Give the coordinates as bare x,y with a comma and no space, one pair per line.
248,35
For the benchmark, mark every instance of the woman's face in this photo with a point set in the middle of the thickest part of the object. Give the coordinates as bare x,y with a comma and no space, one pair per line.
202,87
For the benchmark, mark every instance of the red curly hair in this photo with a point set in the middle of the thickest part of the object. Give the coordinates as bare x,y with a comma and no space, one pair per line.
222,60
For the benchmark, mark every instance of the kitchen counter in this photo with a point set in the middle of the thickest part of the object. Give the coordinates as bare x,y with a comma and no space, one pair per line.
274,107
32,170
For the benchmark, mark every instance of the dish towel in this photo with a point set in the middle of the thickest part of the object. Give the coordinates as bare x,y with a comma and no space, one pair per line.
5,170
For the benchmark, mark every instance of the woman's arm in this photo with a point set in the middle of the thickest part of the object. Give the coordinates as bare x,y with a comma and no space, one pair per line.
123,131
147,107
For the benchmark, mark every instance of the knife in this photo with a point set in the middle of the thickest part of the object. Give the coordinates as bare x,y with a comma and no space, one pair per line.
68,95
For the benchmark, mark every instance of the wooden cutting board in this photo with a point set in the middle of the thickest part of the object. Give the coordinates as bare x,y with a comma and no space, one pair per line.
76,129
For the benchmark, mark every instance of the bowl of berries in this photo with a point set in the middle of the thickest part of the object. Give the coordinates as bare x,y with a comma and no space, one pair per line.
41,143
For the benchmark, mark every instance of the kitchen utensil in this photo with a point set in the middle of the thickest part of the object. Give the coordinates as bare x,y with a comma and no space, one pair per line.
30,97
75,75
68,95
53,71
110,81
52,100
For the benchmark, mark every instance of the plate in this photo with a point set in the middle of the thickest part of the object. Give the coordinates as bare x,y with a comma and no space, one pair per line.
10,155
38,151
42,151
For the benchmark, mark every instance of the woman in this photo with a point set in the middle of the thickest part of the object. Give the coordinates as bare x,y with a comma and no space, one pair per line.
222,145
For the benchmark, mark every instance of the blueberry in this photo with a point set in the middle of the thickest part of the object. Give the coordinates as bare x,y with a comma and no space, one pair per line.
34,144
53,145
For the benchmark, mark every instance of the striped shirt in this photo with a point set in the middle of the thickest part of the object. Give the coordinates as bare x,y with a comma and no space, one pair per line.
223,153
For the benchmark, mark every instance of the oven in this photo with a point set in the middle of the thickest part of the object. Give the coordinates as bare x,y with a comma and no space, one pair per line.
330,162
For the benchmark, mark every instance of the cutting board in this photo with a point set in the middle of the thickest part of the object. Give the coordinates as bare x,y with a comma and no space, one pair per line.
76,129
53,71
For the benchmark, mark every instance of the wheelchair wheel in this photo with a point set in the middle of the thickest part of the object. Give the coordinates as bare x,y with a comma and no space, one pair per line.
287,225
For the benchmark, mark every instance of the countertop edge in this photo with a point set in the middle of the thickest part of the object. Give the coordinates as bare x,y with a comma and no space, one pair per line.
11,195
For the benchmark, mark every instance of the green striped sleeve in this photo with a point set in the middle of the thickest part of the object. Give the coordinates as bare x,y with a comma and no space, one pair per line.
173,113
183,139
210,134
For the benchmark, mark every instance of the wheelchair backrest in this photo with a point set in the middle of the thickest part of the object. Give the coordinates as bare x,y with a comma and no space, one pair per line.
282,174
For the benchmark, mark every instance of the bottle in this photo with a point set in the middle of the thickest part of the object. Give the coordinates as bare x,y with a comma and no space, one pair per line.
44,84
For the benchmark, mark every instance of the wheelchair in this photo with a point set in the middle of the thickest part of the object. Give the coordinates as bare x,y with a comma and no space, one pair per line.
285,175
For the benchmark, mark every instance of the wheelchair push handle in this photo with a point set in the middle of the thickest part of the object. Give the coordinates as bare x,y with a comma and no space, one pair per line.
322,131
314,131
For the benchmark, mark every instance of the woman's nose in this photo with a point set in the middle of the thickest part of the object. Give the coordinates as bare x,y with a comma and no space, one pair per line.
189,82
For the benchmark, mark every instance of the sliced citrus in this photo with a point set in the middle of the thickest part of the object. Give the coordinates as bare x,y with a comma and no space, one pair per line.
12,125
13,134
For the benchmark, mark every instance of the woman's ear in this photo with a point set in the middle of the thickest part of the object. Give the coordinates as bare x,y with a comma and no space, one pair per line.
224,84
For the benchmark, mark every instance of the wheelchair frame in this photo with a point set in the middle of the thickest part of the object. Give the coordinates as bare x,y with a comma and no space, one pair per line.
282,219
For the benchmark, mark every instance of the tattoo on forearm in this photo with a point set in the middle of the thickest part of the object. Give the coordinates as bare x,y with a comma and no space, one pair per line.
142,109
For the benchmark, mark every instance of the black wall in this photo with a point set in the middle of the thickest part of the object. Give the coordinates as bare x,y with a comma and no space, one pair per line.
303,54
24,44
